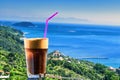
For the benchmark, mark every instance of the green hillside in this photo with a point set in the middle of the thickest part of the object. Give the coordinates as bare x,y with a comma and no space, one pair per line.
12,58
80,69
12,61
10,39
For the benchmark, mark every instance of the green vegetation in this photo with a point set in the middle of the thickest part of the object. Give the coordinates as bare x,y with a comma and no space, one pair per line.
13,63
74,68
12,59
10,40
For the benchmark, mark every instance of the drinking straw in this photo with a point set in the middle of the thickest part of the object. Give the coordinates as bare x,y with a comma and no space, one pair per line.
46,26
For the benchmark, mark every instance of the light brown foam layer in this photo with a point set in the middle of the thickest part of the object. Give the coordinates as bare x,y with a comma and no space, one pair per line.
36,43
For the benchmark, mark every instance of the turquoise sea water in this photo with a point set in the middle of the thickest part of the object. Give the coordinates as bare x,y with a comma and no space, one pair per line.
77,40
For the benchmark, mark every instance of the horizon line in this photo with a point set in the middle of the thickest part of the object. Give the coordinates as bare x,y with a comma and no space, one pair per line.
115,25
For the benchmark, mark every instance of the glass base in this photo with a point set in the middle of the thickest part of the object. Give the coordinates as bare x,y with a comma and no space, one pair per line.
33,79
33,76
36,76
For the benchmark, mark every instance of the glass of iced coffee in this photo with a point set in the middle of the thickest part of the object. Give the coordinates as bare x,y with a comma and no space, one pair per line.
36,56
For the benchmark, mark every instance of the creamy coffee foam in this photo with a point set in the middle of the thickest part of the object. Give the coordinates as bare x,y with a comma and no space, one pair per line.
36,43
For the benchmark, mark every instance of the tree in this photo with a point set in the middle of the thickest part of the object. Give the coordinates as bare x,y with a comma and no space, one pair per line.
100,68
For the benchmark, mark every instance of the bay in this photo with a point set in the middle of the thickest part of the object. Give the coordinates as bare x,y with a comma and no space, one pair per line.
80,40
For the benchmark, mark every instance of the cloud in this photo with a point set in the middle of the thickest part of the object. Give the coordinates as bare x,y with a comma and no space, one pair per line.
70,20
74,19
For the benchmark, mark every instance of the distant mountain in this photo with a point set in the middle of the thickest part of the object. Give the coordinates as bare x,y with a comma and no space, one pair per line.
24,24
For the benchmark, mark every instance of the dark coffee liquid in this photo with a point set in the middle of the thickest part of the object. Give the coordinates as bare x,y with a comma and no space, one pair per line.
36,60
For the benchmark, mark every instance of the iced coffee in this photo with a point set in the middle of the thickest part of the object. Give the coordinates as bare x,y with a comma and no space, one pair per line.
36,54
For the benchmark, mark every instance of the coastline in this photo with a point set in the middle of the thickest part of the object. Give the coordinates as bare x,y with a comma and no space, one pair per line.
80,40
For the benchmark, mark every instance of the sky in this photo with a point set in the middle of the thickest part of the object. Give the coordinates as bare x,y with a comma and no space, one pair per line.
105,12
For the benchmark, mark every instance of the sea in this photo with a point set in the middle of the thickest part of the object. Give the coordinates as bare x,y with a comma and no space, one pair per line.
96,43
